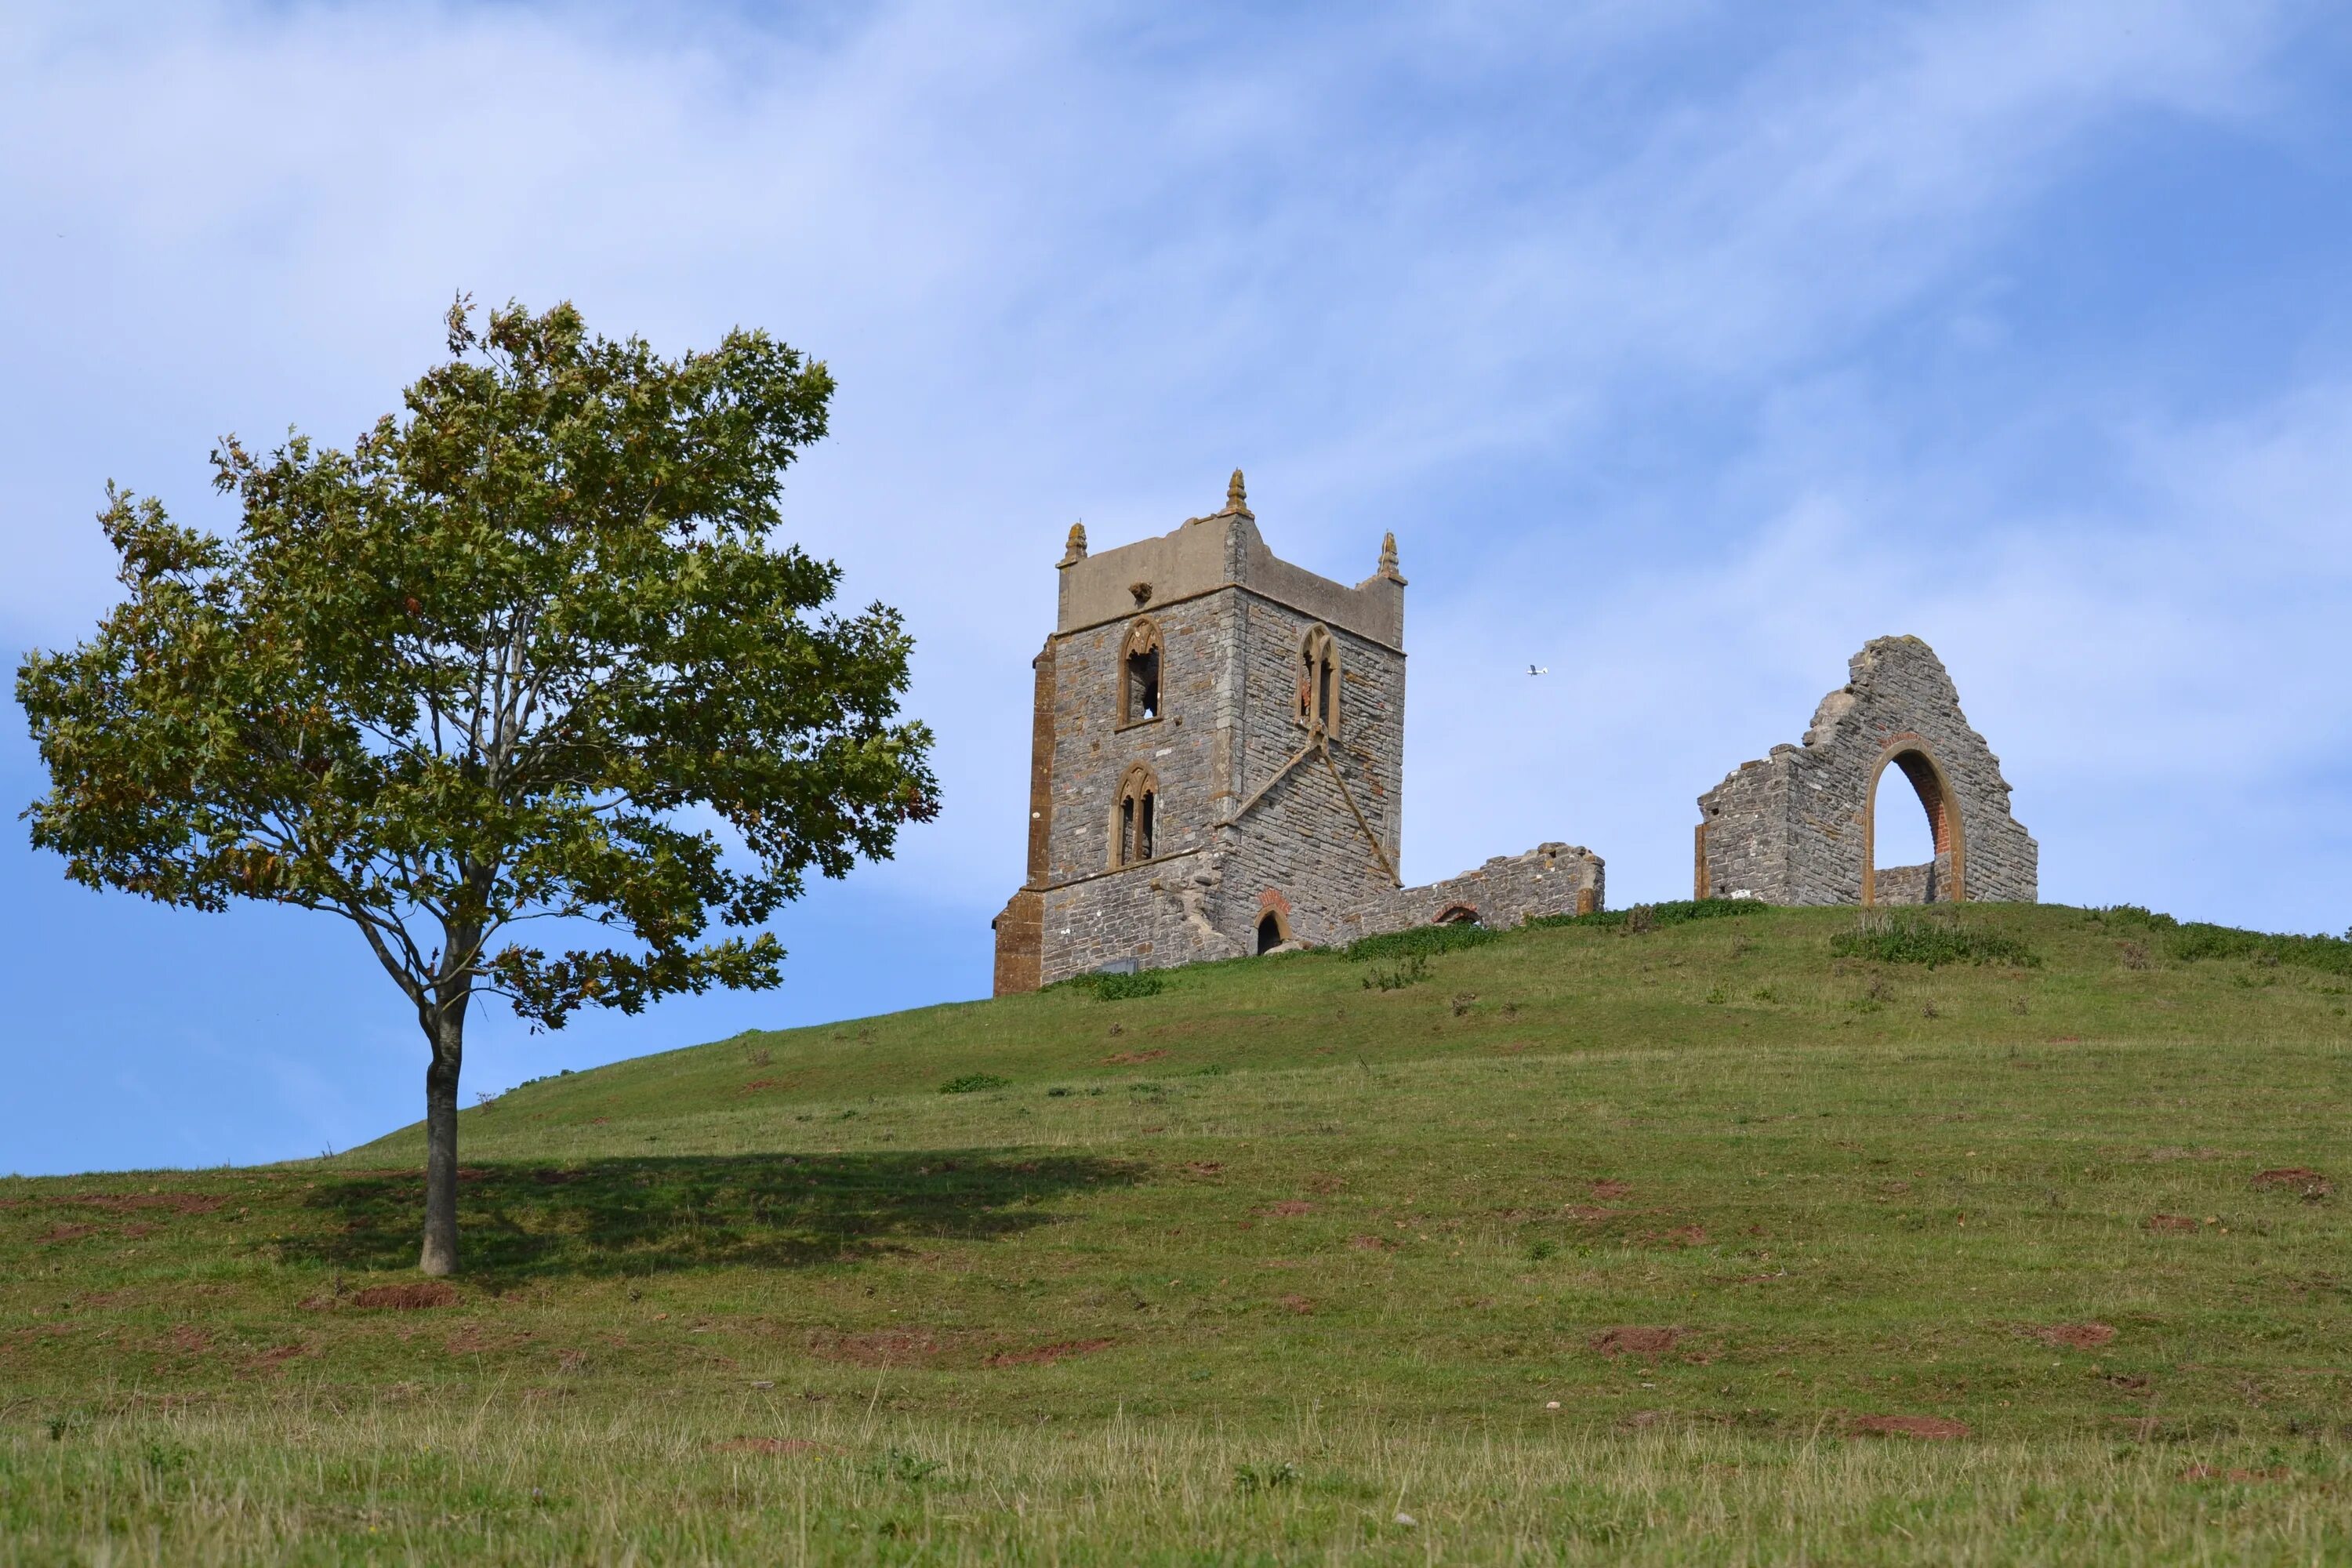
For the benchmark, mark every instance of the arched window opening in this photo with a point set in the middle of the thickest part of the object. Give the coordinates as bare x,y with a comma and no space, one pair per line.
1139,678
1270,931
1135,827
1913,857
1458,915
1318,681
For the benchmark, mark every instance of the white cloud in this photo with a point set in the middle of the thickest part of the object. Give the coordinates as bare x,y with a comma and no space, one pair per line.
1408,268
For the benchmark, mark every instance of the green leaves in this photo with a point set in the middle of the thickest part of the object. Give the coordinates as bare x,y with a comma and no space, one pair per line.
527,649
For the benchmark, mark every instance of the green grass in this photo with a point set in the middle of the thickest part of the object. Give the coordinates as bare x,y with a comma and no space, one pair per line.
1242,1269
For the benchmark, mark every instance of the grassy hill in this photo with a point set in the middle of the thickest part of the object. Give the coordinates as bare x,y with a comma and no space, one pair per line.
1752,1237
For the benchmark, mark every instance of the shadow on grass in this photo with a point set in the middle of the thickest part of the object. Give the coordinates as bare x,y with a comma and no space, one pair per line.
644,1216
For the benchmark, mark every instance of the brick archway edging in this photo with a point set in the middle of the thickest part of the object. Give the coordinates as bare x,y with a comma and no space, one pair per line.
1943,815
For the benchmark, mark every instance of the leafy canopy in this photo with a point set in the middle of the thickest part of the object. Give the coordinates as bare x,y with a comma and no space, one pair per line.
526,652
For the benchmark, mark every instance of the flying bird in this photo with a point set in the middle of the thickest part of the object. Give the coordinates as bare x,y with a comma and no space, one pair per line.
1539,669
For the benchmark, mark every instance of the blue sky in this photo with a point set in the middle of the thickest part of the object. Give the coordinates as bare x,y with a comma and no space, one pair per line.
1684,346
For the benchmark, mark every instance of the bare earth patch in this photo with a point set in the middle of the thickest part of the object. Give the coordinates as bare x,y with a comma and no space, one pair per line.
1934,1428
1046,1355
1132,1058
2075,1336
415,1296
2170,1222
1609,1187
1635,1338
768,1446
2210,1473
126,1203
887,1347
1288,1209
1298,1304
1371,1243
2298,1179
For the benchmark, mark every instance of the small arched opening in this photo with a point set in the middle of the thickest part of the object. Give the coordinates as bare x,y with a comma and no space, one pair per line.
1270,931
1909,860
1458,915
1139,673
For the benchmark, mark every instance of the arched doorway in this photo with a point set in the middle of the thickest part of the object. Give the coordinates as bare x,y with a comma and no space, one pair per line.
1941,877
1270,931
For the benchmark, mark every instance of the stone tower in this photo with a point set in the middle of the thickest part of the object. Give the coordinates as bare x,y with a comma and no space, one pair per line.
1216,762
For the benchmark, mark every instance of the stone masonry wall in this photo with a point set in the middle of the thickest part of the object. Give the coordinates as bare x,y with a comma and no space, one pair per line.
1795,828
1092,751
1550,879
1298,840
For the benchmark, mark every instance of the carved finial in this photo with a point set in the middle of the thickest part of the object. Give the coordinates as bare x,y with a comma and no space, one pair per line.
1077,551
1237,499
1389,561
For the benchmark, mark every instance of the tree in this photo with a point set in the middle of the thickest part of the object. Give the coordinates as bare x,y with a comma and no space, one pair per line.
523,654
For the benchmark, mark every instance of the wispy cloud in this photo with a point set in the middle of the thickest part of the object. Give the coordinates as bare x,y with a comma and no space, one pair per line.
1684,344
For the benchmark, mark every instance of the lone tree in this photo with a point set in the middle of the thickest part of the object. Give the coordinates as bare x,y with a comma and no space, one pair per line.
515,657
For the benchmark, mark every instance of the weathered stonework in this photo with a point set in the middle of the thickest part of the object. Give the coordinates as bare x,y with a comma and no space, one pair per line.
1266,772
1798,826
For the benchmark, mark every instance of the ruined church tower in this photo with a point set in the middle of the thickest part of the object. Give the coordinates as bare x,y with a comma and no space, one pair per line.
1216,762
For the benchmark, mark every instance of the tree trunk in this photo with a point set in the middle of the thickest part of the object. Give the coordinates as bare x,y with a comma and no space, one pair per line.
448,1036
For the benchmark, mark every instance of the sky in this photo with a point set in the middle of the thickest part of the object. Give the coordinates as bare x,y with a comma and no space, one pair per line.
1686,346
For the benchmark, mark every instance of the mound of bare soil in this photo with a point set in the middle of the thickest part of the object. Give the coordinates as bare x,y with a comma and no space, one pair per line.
2298,1179
1635,1338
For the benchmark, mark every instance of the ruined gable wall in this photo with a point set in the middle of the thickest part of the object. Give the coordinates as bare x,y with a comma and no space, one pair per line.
1790,829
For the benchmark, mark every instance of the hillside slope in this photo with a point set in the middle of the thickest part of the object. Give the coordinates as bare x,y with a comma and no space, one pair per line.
1584,1242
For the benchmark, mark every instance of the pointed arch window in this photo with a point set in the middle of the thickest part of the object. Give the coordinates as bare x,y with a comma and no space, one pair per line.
1318,681
1135,823
1139,673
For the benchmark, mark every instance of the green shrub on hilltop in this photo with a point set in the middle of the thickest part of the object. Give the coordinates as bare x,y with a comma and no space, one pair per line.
1420,941
1653,917
1909,938
2197,940
1114,986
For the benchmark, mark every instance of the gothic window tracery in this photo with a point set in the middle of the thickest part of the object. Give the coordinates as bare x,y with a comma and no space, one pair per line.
1135,825
1318,681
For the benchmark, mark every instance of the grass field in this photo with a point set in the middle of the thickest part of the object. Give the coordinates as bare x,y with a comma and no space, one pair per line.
1703,1243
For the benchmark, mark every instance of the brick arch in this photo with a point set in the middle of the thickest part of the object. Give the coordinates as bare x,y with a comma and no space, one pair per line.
1934,786
1274,908
1456,914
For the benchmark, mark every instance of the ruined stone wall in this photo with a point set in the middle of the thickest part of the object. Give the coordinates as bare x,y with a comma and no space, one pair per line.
1156,914
1796,826
1550,879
